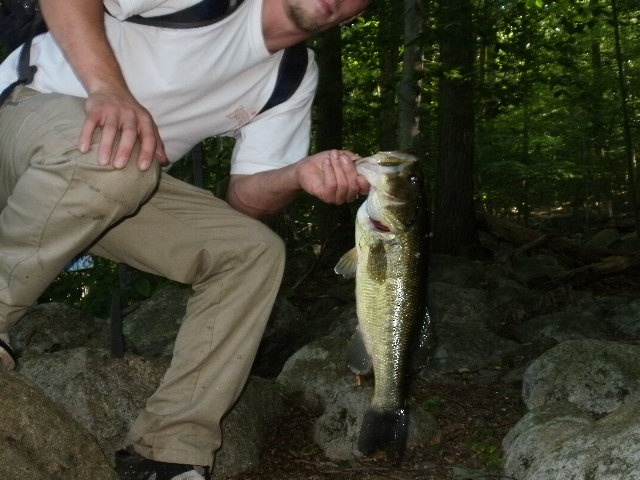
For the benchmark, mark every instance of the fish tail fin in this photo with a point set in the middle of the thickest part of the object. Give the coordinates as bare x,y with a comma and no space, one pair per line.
385,431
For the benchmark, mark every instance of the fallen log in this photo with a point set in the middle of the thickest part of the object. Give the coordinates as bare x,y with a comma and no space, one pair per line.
573,254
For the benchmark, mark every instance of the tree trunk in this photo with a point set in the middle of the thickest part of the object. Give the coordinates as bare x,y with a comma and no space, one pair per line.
409,87
626,121
328,102
389,42
454,225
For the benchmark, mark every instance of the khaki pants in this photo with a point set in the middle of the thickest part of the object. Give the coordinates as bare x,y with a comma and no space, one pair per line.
57,202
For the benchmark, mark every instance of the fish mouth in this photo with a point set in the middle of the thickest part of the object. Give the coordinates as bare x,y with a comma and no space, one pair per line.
383,163
379,226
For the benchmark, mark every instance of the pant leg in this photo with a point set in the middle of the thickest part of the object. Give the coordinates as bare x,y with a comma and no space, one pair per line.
54,200
234,264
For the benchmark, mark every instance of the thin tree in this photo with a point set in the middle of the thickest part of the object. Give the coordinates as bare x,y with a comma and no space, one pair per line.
626,121
409,86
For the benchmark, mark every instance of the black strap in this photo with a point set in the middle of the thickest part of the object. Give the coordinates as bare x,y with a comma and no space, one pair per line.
26,72
207,12
293,66
7,348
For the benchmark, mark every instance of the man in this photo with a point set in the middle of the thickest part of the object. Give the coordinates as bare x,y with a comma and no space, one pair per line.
80,155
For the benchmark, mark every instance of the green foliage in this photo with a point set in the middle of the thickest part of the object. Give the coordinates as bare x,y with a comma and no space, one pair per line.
92,290
433,404
487,447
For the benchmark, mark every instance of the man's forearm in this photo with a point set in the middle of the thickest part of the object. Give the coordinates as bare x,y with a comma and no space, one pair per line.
263,193
78,27
330,176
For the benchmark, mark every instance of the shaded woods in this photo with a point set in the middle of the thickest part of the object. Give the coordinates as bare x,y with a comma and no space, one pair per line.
517,109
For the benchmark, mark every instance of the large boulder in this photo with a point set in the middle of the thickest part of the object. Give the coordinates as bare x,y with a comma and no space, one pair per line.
583,423
40,440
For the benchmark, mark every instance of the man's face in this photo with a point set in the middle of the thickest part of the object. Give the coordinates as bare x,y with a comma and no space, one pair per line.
312,16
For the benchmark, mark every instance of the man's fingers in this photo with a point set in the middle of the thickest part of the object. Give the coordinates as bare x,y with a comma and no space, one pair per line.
105,147
86,135
151,147
124,146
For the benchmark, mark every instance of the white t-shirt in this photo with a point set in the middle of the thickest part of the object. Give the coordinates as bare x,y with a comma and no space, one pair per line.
196,82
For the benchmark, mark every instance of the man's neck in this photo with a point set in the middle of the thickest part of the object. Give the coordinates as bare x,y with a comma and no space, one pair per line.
277,29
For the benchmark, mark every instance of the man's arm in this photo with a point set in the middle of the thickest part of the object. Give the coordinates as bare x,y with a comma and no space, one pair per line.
78,27
330,176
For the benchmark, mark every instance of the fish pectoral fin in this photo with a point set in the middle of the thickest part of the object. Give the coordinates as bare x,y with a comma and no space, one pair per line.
423,344
346,266
358,358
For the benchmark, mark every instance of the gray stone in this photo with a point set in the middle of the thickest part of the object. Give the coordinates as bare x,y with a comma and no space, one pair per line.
337,430
50,327
606,238
41,441
246,426
558,442
593,375
314,372
150,327
102,393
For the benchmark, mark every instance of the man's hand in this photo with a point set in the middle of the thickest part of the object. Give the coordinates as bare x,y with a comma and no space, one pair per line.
127,129
332,177
124,123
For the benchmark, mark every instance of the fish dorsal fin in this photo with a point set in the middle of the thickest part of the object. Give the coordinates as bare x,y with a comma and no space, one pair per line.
346,266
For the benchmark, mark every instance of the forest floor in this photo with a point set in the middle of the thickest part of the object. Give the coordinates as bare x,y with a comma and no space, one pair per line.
473,415
473,410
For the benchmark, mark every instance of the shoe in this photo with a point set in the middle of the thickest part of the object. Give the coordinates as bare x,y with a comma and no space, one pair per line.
131,466
8,357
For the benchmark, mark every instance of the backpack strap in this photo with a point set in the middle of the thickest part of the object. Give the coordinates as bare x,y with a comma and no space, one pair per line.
26,72
206,12
293,66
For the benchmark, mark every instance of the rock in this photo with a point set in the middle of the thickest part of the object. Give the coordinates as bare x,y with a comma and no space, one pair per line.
150,328
558,327
463,339
337,430
529,267
314,372
103,394
279,340
41,441
584,398
458,271
558,442
50,327
607,238
625,318
593,375
246,427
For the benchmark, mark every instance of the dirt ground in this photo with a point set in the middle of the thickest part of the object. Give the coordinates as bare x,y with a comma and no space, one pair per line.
473,413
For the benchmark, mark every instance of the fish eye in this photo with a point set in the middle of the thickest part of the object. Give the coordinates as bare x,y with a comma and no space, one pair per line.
413,179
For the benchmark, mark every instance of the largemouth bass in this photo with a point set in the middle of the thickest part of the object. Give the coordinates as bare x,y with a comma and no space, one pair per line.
389,262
